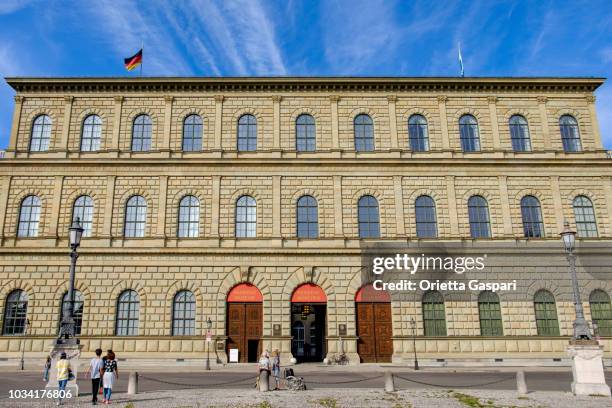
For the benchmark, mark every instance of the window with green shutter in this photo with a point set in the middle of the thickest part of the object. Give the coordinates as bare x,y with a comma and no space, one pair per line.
434,317
546,314
601,311
490,314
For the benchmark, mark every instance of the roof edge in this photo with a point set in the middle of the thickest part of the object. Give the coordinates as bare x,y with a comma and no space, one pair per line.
288,83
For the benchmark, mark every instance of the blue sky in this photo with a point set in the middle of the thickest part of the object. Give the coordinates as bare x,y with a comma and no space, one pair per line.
333,37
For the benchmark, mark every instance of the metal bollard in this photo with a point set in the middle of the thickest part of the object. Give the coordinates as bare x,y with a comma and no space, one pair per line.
133,384
521,385
264,378
389,382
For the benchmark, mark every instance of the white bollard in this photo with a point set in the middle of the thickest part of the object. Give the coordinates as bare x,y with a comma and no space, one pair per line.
389,382
133,384
264,378
521,385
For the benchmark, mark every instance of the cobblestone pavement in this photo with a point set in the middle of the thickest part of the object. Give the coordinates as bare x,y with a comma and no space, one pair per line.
331,398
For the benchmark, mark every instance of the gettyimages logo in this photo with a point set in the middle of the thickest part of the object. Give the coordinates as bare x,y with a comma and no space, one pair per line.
440,268
412,264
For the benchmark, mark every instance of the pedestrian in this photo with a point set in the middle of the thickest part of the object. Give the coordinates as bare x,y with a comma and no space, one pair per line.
110,374
264,362
47,368
276,367
64,372
95,366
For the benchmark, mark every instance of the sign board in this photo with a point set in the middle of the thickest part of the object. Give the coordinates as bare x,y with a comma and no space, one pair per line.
208,336
233,355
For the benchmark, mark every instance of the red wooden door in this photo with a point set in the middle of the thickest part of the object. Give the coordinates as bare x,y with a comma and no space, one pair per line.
383,332
244,323
374,330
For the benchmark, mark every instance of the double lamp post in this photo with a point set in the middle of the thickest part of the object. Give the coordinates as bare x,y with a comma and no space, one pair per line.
67,330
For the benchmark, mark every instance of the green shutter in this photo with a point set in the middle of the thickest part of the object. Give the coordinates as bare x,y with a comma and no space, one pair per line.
434,316
546,314
601,312
490,314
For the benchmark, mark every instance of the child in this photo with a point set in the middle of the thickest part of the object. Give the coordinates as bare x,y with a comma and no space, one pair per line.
63,375
47,368
111,373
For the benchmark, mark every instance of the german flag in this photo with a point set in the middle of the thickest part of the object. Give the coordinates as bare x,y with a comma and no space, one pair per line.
133,61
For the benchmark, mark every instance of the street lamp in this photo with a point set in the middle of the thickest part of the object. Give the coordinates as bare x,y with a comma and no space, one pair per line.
208,340
413,325
67,331
581,327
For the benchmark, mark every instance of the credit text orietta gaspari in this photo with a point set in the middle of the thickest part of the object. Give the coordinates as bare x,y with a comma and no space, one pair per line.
411,264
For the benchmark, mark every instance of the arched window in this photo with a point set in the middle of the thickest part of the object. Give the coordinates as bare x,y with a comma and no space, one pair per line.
468,134
364,133
247,133
533,225
478,213
183,314
83,210
434,316
15,313
192,133
601,312
546,313
92,132
490,314
142,133
135,217
128,313
519,134
41,134
418,135
426,221
77,311
246,217
367,214
305,134
189,217
585,217
307,217
570,135
29,217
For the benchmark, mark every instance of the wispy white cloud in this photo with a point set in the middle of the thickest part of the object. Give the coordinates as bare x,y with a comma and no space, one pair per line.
243,34
126,25
11,6
356,33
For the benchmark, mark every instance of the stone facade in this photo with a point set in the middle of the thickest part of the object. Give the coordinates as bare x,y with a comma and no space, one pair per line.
276,175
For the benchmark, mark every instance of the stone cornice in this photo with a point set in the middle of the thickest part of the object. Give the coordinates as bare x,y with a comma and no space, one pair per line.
302,84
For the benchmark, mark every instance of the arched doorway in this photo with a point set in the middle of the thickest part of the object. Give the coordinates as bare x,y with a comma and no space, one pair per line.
374,325
244,322
308,323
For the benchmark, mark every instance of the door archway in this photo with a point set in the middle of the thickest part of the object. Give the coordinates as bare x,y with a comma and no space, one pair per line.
308,323
244,322
374,325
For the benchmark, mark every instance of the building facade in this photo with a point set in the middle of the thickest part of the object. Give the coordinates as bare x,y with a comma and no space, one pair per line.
248,209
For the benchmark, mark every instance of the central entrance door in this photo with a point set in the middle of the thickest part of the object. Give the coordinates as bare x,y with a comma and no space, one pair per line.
374,325
245,322
308,323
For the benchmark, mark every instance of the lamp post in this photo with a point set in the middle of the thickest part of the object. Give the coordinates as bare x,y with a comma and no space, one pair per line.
25,333
208,341
413,325
581,327
67,331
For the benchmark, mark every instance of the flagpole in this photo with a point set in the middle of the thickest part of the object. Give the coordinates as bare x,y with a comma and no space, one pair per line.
460,58
142,56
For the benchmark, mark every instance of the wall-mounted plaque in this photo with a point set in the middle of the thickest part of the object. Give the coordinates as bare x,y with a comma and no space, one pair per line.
276,329
342,329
